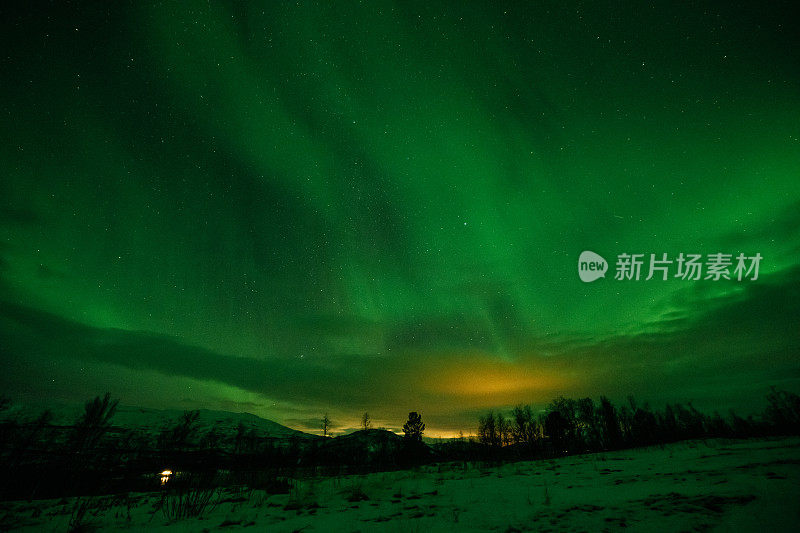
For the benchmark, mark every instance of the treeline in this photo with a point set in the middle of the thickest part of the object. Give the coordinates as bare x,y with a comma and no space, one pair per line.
40,459
570,426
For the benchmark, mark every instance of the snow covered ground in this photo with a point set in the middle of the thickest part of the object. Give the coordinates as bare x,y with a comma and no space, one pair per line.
690,486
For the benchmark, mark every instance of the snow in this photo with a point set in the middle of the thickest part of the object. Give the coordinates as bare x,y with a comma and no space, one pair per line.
151,421
226,422
715,485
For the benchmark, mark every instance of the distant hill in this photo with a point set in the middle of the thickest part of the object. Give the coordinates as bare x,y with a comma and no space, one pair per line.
366,447
148,420
226,422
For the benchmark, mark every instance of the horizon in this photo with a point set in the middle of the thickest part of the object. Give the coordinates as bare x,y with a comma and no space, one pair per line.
66,412
294,210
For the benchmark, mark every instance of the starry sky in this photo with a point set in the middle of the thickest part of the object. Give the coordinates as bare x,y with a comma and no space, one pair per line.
298,208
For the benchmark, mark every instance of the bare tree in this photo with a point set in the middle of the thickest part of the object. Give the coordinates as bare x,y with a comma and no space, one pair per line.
783,411
588,423
181,433
488,431
326,424
504,430
609,424
524,428
93,423
246,440
366,421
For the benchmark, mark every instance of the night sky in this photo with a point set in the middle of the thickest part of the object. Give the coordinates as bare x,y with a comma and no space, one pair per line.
303,208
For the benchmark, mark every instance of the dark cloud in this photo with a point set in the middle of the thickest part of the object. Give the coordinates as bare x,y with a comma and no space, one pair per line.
748,342
18,215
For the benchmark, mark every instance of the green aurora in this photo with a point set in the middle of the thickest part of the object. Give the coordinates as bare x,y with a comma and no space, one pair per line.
298,208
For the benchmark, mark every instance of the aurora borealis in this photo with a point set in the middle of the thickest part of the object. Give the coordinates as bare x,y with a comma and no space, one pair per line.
298,208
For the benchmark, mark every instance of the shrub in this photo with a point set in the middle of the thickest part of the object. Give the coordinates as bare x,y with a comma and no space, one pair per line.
189,495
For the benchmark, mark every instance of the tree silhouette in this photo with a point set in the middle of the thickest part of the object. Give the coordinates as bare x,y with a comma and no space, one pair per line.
783,411
212,438
182,433
566,423
668,425
588,423
609,424
366,421
487,430
326,424
413,428
504,429
524,428
557,428
93,423
246,439
690,422
27,436
644,426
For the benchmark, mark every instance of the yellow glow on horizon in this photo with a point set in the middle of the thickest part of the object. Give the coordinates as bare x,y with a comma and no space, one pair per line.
499,382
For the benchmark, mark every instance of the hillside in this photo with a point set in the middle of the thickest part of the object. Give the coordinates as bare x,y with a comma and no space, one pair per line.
151,421
226,422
